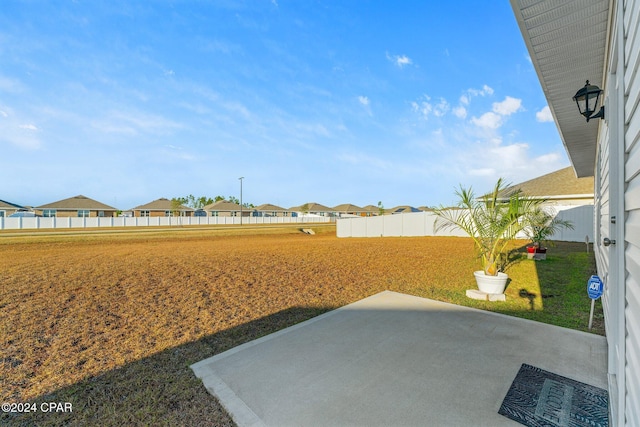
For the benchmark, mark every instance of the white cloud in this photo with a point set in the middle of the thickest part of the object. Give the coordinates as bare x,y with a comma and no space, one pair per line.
465,100
486,90
22,135
403,60
363,100
400,60
425,108
495,118
492,159
460,112
544,115
441,108
508,106
489,120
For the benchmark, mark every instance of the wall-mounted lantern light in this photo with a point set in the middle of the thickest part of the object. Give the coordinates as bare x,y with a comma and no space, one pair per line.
587,99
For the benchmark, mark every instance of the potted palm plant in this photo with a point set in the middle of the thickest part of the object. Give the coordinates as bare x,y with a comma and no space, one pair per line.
540,225
492,221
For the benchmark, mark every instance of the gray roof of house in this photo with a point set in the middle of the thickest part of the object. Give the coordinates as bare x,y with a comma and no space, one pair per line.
77,202
312,207
222,206
5,204
267,207
161,204
371,208
562,182
403,209
349,208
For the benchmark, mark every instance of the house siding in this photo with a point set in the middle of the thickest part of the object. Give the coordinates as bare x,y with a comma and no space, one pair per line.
159,213
613,47
602,221
617,190
632,210
74,213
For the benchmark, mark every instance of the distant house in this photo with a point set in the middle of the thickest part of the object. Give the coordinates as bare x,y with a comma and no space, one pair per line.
373,210
225,208
350,210
402,209
313,209
269,210
425,208
7,208
561,187
78,206
161,207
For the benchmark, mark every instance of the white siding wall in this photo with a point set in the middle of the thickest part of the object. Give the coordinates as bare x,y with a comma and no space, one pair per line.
632,210
602,222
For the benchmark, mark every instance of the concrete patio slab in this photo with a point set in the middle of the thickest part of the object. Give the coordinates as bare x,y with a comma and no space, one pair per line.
394,359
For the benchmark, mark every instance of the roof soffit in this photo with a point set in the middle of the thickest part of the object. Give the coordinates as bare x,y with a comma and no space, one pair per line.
567,44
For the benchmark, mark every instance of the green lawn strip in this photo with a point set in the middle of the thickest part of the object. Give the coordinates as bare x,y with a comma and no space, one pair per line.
559,295
550,291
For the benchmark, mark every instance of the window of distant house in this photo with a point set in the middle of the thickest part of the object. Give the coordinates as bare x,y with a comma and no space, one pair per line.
168,213
285,213
101,214
234,213
214,213
49,213
2,214
145,213
83,213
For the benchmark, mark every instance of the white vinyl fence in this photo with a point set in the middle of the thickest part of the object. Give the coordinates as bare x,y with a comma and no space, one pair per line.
95,222
421,224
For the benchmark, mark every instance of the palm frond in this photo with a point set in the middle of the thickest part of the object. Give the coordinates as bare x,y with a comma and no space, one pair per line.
492,220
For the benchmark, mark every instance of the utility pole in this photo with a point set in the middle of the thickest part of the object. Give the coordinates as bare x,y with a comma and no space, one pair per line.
241,178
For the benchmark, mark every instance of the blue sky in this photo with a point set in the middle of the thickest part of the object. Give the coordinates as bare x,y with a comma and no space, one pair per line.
311,101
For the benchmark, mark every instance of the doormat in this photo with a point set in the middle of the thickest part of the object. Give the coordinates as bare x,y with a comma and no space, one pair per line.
538,398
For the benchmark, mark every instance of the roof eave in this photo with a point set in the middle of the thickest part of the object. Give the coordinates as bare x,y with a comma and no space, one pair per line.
564,58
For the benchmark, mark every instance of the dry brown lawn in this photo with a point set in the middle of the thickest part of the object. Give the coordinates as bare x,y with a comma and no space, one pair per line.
111,322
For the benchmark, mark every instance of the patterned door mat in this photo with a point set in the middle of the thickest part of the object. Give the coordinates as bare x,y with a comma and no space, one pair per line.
538,398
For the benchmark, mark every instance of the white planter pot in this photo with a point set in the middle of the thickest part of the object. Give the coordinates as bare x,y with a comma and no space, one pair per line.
491,284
